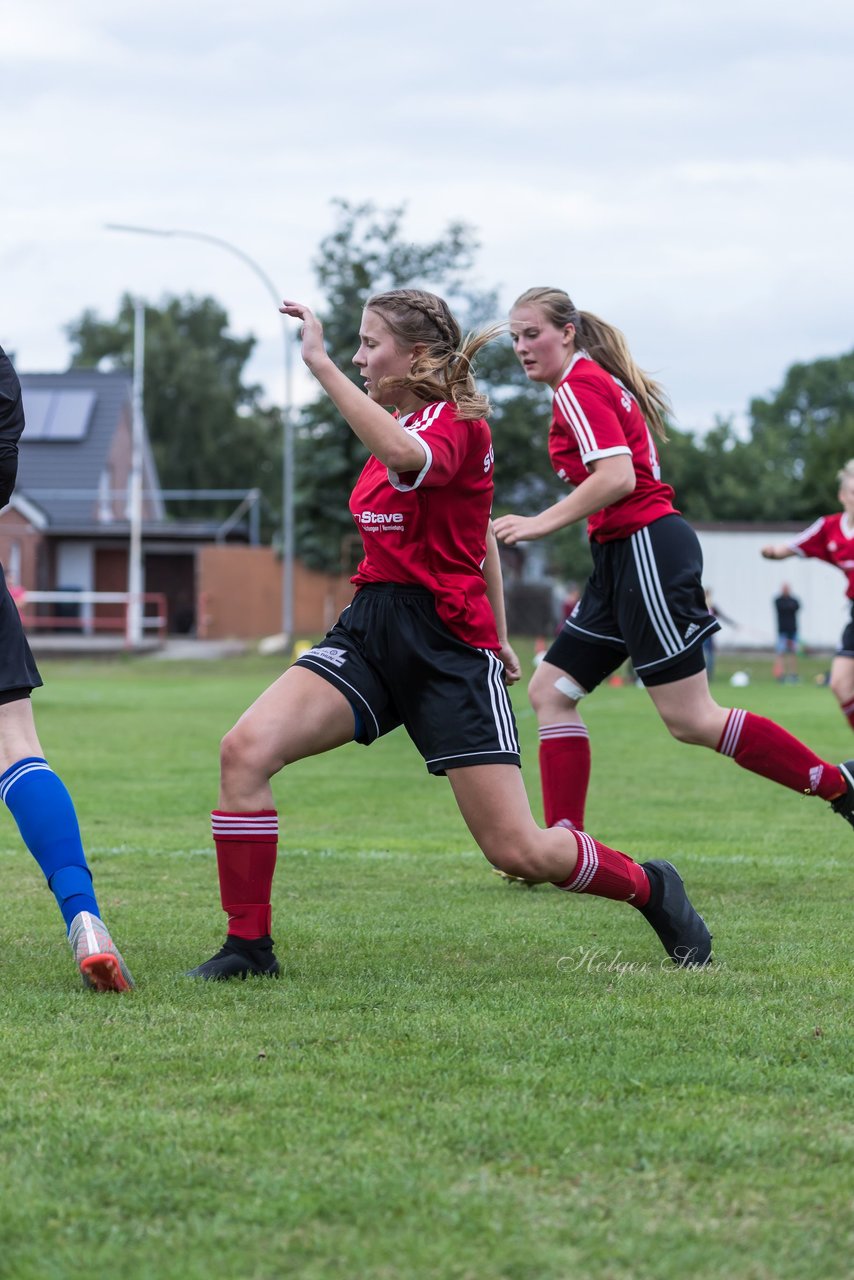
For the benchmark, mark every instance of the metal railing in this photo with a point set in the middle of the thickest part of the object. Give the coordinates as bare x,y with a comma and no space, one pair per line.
86,621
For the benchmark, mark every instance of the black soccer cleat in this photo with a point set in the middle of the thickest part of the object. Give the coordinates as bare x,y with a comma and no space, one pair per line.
844,804
239,958
681,930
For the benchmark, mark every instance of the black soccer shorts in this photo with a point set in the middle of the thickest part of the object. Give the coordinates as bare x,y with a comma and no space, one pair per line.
18,670
644,601
397,663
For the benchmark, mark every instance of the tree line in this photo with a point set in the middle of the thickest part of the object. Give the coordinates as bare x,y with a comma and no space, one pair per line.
210,429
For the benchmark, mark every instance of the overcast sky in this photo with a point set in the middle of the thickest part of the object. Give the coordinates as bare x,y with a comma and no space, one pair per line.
684,170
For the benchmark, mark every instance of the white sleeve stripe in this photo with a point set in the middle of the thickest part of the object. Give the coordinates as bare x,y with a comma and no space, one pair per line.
394,478
430,414
584,437
606,453
794,543
577,418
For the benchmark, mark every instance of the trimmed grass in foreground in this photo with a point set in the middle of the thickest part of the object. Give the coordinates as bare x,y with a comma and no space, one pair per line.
453,1078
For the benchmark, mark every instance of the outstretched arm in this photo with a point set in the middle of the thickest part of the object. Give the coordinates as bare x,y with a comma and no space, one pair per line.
777,552
377,430
610,479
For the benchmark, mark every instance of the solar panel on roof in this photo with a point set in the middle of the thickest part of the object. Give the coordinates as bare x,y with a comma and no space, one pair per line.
57,415
36,412
71,415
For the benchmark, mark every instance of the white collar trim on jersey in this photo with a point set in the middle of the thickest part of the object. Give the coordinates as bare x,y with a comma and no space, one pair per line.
579,355
845,529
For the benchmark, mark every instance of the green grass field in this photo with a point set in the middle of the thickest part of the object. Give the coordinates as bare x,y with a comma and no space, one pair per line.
454,1078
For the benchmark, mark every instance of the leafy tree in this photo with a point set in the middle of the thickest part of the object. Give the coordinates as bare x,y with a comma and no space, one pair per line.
207,428
714,476
805,433
785,468
366,254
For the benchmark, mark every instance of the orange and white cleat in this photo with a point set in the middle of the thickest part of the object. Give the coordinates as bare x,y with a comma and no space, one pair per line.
98,959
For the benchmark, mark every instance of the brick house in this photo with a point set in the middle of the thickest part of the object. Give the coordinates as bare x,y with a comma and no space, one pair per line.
66,526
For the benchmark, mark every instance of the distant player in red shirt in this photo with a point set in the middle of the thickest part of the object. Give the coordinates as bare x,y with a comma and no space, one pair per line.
831,538
644,599
422,644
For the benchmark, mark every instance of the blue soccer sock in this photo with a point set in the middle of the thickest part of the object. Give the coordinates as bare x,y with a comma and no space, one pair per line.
44,812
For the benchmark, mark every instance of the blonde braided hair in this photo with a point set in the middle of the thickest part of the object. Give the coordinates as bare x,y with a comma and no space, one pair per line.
443,370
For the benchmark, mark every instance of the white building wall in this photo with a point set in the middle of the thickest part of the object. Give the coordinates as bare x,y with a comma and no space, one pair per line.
744,585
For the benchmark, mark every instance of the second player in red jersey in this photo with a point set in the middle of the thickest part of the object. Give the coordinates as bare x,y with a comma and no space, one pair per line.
645,598
831,538
595,416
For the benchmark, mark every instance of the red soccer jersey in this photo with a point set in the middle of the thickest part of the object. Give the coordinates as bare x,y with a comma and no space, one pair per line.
595,416
831,538
429,527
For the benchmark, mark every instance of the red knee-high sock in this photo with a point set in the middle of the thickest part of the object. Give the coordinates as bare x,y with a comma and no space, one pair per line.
606,873
848,711
564,772
246,859
763,747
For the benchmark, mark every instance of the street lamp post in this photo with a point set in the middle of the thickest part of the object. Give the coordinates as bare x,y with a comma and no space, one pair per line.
286,411
135,576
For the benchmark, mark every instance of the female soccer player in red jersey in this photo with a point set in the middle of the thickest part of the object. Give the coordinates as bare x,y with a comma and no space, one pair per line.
644,599
831,538
422,644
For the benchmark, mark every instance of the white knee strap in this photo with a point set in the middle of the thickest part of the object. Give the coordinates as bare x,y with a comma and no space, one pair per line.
570,689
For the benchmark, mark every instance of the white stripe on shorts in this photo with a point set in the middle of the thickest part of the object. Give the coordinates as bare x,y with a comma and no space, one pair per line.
653,594
500,703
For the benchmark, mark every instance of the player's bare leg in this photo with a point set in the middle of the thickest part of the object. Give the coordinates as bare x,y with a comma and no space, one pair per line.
753,742
494,804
